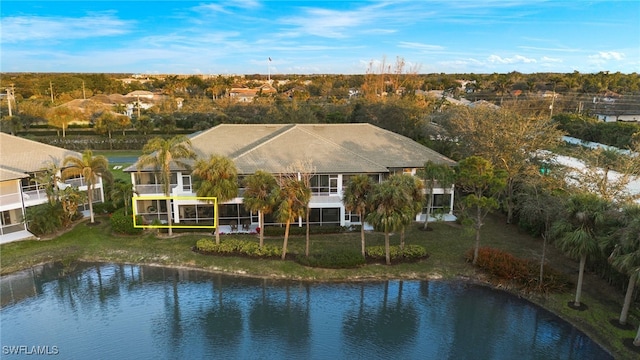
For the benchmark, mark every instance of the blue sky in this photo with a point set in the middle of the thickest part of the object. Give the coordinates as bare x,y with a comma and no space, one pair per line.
319,37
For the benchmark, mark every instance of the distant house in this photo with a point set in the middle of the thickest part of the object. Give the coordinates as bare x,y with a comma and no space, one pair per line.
21,161
336,151
242,94
613,115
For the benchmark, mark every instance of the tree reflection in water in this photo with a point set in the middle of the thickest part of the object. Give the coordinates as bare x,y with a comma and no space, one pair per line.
128,311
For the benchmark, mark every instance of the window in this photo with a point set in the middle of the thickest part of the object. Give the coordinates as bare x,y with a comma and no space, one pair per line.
440,202
324,184
186,183
351,217
324,216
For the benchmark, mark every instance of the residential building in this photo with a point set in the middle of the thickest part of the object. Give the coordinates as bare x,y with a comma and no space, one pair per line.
21,161
336,151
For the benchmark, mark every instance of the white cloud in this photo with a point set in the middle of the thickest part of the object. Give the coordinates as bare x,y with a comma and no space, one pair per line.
607,55
420,46
34,28
518,59
547,59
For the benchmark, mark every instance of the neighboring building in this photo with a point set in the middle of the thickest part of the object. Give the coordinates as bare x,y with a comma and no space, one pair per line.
613,115
242,94
21,160
336,151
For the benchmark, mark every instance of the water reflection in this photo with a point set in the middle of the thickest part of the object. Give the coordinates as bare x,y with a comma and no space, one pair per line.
129,311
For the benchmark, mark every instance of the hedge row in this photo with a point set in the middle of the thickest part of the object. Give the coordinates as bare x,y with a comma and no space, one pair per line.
408,253
237,247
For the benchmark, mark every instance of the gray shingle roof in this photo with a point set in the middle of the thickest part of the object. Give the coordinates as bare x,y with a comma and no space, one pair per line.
331,148
11,175
23,155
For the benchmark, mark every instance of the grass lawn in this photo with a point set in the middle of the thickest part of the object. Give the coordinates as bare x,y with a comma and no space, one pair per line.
446,245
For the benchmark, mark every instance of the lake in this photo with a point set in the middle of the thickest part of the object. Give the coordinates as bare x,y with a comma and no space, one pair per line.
114,311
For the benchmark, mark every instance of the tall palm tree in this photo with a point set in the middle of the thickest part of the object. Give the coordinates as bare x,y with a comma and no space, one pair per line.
411,200
355,199
292,197
626,253
217,177
161,154
258,196
386,215
90,168
577,232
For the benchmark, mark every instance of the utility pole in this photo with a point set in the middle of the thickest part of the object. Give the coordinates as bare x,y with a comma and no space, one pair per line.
84,96
51,90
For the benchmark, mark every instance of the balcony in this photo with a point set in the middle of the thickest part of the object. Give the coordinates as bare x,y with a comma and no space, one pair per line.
153,189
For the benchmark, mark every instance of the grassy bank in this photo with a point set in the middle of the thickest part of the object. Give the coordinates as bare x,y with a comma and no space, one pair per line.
446,244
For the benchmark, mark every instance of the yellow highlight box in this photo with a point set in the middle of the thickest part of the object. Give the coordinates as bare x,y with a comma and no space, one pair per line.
206,199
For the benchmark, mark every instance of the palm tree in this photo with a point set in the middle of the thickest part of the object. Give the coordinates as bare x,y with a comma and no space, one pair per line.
90,168
577,235
411,200
258,196
122,191
161,154
355,199
48,179
433,174
626,254
386,216
291,199
70,199
218,177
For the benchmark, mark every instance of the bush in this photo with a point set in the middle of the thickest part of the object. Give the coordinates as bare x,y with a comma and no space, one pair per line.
521,272
44,219
103,208
123,224
333,260
237,247
410,253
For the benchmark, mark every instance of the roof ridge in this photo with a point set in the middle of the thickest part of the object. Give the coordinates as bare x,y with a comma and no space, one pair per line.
261,141
340,146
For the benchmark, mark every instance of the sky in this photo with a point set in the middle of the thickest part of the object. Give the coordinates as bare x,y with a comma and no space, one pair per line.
319,37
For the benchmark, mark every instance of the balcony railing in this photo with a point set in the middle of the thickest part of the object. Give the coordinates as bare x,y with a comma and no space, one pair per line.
8,199
77,182
152,188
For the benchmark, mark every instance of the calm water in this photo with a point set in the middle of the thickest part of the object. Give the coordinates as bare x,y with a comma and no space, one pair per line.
102,311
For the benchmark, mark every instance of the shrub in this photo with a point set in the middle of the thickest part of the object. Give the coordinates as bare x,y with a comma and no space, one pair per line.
44,219
237,247
333,260
521,272
123,224
410,253
104,208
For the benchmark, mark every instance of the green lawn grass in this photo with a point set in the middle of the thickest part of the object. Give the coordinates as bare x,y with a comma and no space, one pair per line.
446,244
